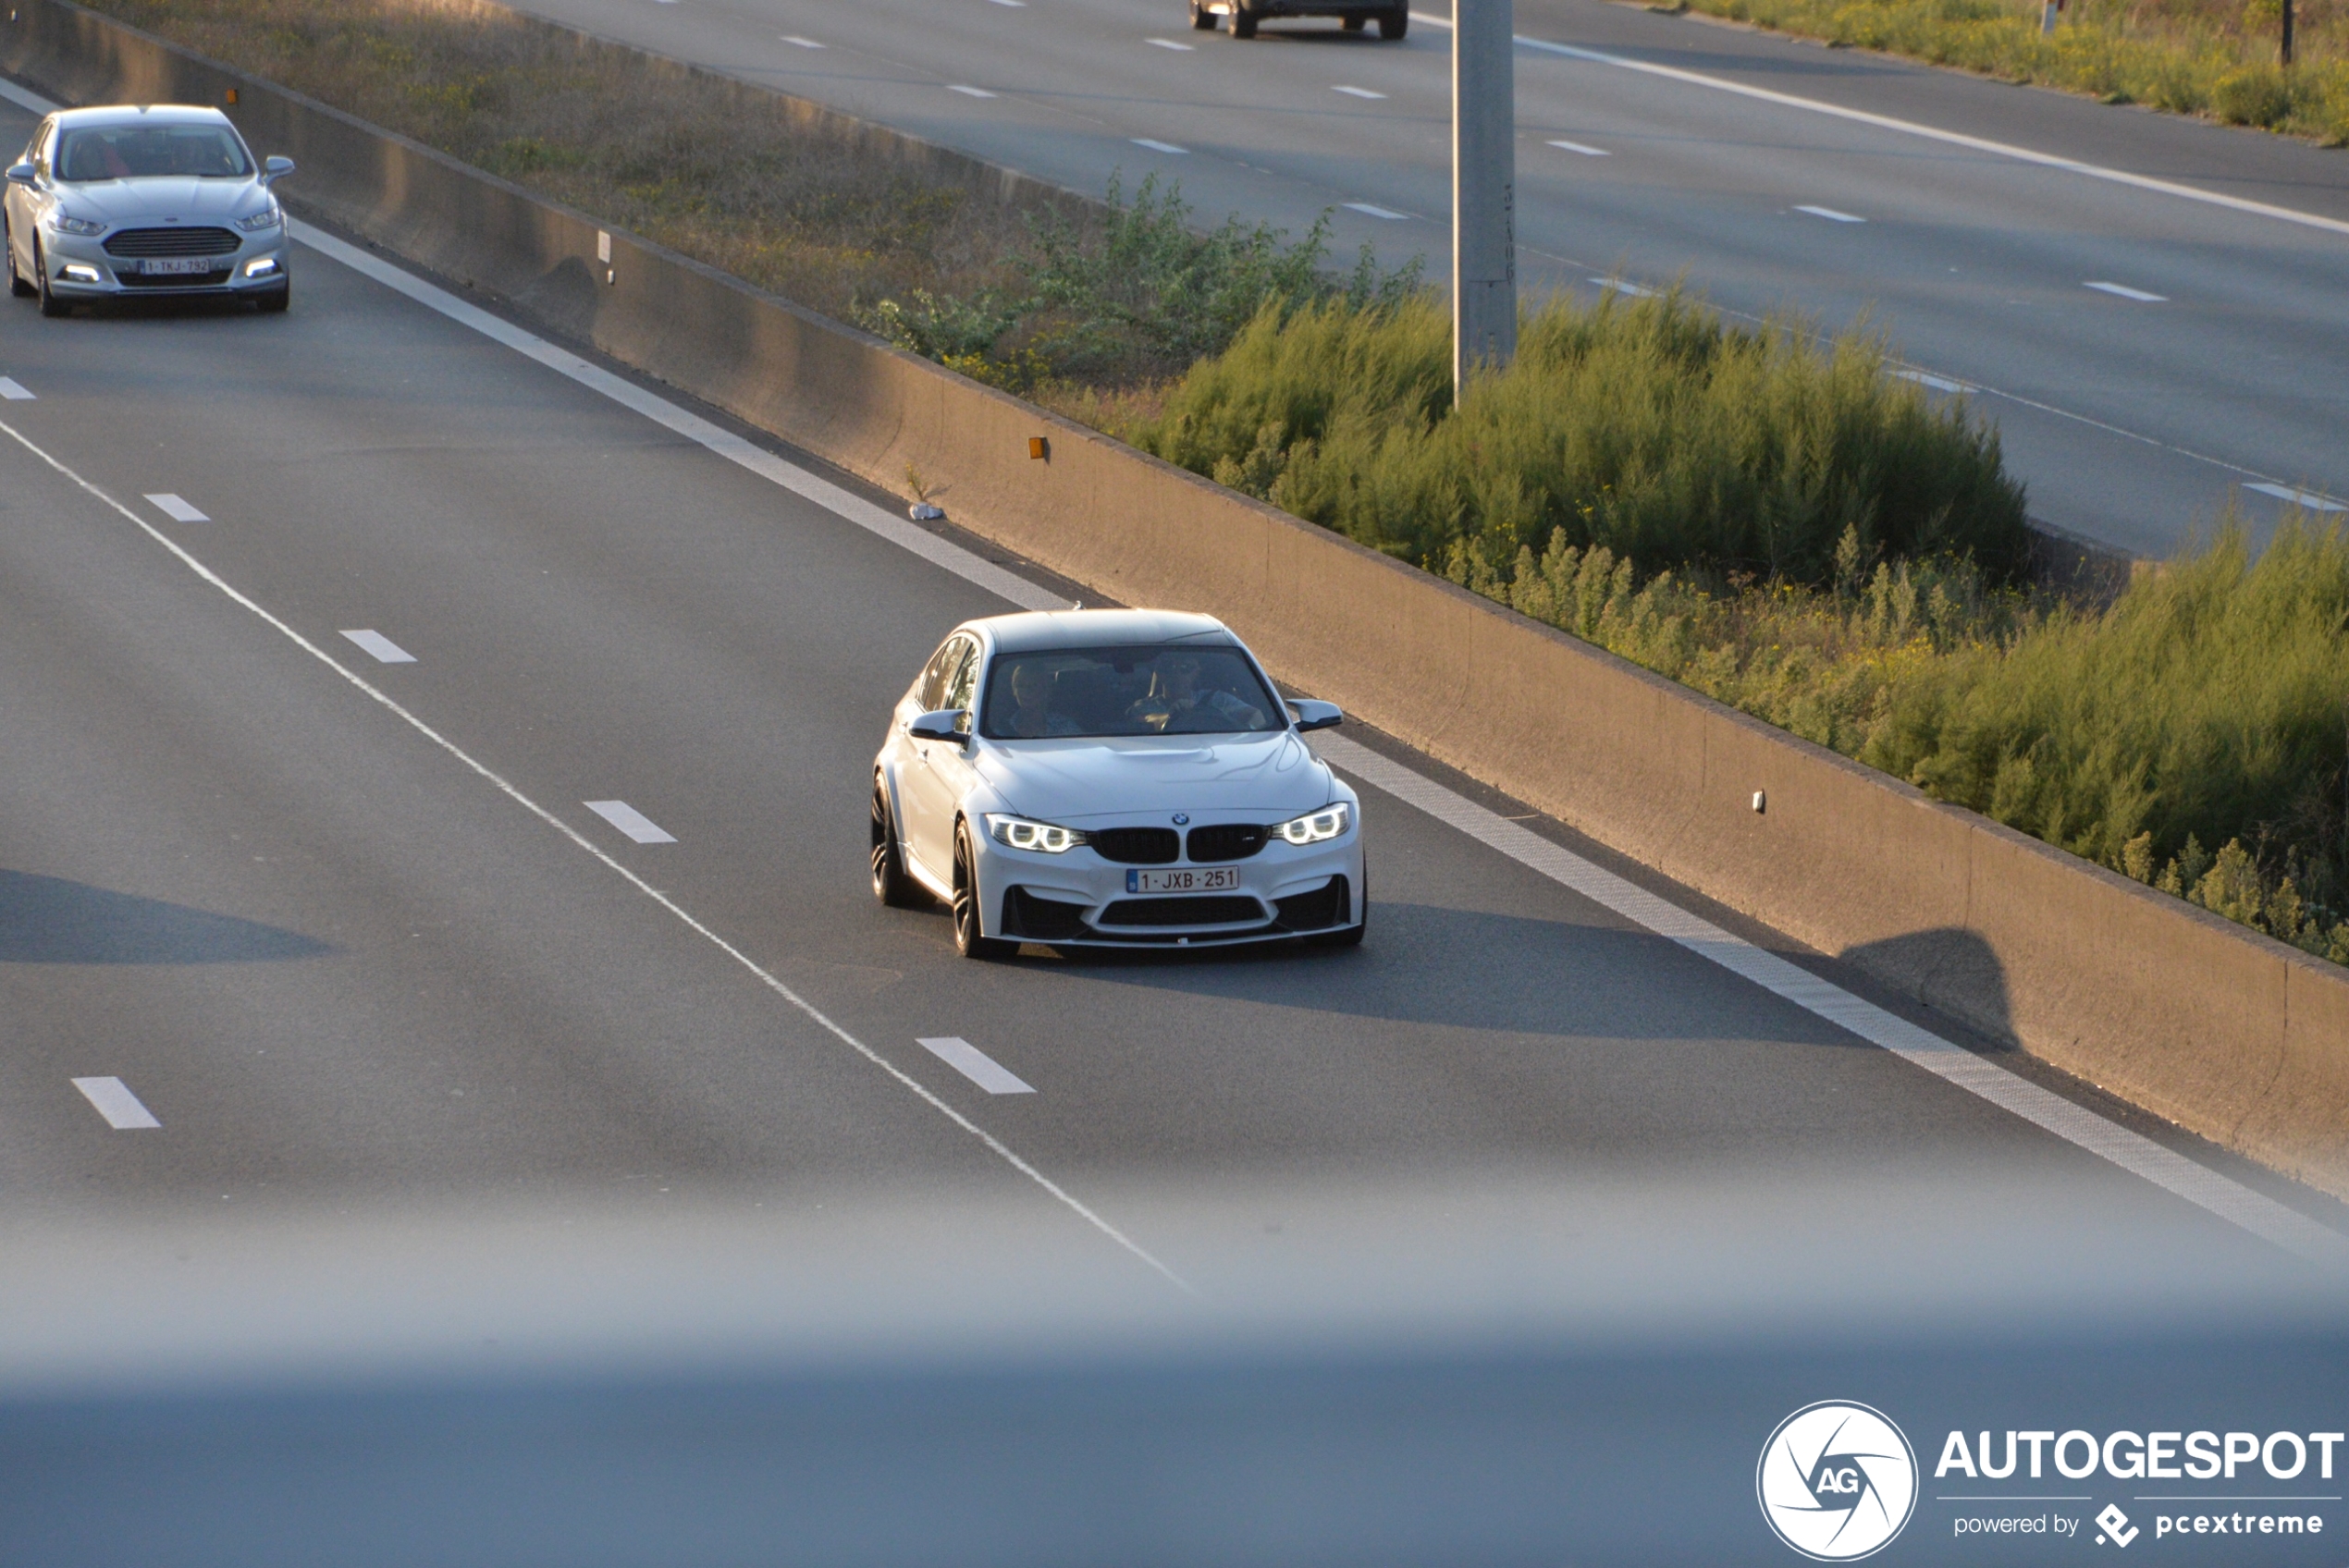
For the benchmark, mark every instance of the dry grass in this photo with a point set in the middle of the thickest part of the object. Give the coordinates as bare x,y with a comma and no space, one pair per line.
722,171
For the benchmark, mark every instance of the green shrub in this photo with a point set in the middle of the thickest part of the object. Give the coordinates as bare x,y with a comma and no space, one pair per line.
1648,428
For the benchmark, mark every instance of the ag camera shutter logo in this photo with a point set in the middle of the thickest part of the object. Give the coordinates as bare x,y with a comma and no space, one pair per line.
1837,1481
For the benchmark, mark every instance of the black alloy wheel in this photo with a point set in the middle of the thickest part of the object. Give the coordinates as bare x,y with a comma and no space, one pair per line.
51,304
17,283
891,885
967,940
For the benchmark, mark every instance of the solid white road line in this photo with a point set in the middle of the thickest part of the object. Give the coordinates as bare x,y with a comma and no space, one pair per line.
975,1065
384,648
1160,146
2140,1155
1357,92
175,508
854,508
1586,152
2133,1152
1930,133
630,821
2307,498
1939,383
1830,214
2124,291
504,787
1170,44
12,390
970,91
802,42
1633,289
116,1104
1367,210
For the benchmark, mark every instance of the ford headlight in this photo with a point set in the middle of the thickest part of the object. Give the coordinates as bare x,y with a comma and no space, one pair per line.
1314,827
268,218
64,225
1019,833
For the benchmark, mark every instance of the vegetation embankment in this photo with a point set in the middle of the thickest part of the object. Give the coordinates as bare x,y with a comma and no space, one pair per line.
1765,515
2219,58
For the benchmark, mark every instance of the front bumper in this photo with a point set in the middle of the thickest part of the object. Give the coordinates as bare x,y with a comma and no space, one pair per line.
1077,899
79,267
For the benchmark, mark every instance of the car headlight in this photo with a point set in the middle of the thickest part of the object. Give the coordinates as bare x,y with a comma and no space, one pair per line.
268,218
1021,834
1314,827
64,225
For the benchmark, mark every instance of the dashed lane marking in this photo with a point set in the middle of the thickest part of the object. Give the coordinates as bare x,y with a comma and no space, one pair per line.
630,821
1160,146
792,37
175,508
975,1065
1370,211
1587,151
384,650
2123,291
14,390
970,91
1633,289
1169,44
116,1104
1358,92
2307,498
1831,214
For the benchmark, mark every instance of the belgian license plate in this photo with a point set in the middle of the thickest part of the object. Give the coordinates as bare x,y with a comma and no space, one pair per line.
1182,881
174,266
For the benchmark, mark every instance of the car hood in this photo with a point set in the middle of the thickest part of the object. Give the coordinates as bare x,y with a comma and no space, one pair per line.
156,198
1109,779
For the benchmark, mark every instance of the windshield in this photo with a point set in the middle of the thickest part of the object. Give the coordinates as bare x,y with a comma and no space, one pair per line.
1132,690
133,152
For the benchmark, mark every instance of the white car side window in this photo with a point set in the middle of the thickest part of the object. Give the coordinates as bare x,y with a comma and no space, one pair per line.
961,687
942,664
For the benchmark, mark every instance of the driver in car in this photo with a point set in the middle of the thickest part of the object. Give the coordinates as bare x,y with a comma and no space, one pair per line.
1175,703
1033,716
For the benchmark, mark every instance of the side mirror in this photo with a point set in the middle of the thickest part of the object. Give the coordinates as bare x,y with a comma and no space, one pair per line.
947,724
1311,715
275,169
23,174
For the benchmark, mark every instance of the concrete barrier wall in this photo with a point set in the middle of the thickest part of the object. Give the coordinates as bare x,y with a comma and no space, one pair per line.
2237,1037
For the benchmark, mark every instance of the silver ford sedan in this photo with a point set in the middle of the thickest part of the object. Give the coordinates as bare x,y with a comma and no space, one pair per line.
158,200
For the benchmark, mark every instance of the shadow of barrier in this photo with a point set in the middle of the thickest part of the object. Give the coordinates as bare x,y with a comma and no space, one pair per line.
2237,1037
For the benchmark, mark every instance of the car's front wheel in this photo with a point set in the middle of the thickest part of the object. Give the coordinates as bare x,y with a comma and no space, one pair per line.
1244,19
1202,19
891,885
18,284
1394,23
51,304
970,939
275,301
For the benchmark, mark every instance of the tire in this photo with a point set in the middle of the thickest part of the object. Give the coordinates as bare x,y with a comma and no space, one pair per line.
51,305
1394,24
891,885
1350,24
275,303
17,283
1202,19
1243,20
967,940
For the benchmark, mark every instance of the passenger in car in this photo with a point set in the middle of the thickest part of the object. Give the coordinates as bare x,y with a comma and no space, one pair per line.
1035,717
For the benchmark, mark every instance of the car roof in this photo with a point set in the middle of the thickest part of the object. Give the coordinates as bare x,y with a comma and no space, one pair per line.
132,114
1038,631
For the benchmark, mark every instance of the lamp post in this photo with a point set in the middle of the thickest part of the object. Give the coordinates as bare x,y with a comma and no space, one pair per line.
1484,188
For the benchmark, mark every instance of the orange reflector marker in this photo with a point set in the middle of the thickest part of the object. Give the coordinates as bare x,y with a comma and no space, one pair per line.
1039,447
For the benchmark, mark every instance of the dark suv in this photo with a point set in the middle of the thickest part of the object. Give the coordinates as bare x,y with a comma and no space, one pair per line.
1394,16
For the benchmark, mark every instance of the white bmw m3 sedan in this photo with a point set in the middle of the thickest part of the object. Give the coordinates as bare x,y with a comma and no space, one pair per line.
1113,779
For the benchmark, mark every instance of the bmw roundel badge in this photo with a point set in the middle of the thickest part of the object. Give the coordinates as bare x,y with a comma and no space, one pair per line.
1182,818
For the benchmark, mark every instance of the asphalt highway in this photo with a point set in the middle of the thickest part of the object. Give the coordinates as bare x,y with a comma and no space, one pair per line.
289,921
2148,357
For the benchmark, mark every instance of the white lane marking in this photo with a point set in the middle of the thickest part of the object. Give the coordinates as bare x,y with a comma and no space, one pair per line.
1367,210
14,390
2124,291
25,100
2133,1152
116,1104
1358,92
2307,498
802,42
175,508
630,821
1587,152
1169,44
1633,289
1830,214
1939,383
384,648
970,91
854,509
1930,133
1015,5
497,781
1160,146
975,1065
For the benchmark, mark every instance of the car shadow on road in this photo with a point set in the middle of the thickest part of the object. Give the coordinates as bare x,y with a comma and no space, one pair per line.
51,920
1425,964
